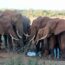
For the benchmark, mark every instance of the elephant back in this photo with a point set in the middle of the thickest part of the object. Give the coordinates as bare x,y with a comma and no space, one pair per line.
44,21
60,27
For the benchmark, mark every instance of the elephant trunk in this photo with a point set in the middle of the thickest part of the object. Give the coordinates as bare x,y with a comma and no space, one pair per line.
13,34
13,37
32,39
43,37
26,35
18,35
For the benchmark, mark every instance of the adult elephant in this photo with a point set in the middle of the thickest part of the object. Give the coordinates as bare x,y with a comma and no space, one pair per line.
54,27
21,25
13,19
37,24
48,43
26,31
6,27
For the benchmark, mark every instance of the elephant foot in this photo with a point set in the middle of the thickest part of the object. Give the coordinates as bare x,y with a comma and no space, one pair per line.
63,57
46,53
53,53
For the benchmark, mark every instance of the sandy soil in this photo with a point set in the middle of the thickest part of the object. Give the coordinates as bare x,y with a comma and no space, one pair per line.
15,58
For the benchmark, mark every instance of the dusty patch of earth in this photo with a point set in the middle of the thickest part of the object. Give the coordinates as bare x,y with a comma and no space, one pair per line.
20,59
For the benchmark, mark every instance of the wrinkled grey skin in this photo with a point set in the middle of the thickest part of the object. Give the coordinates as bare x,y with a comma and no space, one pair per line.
54,27
7,19
19,23
26,26
15,20
37,24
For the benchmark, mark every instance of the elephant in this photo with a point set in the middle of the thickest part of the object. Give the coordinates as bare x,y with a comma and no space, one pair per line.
21,26
47,44
11,24
37,24
15,19
6,27
26,30
61,37
55,27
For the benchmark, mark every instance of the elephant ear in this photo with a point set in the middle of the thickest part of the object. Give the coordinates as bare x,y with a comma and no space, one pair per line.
60,27
42,33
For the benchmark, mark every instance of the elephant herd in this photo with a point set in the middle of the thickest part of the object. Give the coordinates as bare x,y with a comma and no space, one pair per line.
48,36
45,35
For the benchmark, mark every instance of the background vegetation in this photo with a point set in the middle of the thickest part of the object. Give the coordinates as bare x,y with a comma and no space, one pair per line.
35,13
32,14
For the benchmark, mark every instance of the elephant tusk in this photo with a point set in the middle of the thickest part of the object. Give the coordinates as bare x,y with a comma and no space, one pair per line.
13,37
32,38
26,35
40,39
18,34
43,37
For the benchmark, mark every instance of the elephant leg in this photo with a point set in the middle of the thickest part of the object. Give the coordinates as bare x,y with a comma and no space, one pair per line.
24,40
0,42
62,44
5,40
21,45
10,42
46,48
13,45
39,48
58,53
58,46
52,43
42,47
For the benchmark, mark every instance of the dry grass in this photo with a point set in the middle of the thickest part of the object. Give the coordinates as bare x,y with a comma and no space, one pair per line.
21,59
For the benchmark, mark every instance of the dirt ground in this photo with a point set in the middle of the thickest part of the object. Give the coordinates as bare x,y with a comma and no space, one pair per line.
11,58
